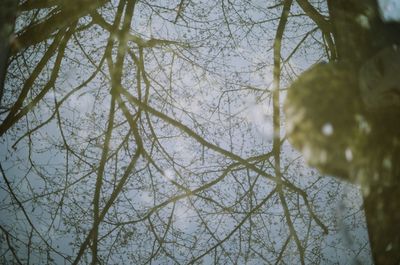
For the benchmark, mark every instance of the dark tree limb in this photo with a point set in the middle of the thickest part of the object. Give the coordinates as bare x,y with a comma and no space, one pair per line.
68,14
7,19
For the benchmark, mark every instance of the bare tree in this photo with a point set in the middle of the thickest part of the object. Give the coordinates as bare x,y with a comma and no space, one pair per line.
150,132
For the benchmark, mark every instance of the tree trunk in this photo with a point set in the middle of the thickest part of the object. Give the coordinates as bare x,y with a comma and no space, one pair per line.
359,34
